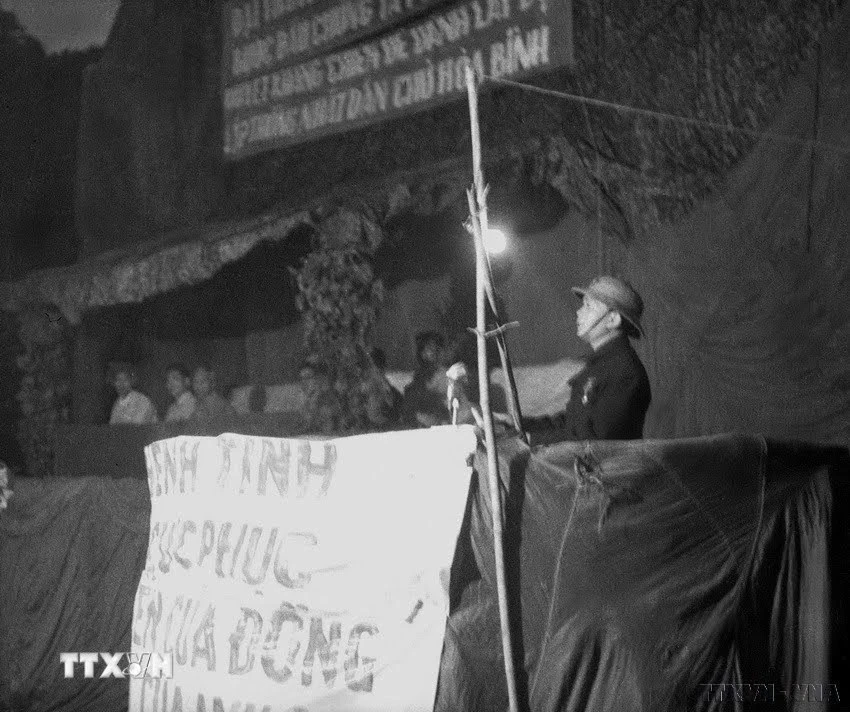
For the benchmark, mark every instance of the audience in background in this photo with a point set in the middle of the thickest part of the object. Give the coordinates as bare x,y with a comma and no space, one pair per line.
5,485
424,401
179,385
131,407
384,402
195,397
210,405
257,399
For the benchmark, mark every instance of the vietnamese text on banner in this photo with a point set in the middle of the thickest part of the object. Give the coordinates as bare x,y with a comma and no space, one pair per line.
297,70
288,575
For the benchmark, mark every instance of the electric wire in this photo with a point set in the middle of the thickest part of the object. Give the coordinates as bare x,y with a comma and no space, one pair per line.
664,116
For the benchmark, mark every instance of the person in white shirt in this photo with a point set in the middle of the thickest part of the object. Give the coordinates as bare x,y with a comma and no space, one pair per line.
179,383
5,485
131,406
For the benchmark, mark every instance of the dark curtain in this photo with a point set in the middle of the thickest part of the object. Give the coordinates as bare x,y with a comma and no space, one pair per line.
748,300
643,573
71,554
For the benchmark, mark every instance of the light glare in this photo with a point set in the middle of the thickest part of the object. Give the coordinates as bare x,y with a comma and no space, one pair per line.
495,241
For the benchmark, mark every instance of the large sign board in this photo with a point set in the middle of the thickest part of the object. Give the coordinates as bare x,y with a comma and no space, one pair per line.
297,575
297,70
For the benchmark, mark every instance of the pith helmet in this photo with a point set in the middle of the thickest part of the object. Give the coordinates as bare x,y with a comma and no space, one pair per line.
617,295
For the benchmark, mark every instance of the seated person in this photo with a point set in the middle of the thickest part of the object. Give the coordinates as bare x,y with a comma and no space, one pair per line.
5,485
210,404
320,411
384,401
179,385
131,407
424,402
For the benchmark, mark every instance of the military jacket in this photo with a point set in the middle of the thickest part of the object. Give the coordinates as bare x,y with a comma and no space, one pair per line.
609,398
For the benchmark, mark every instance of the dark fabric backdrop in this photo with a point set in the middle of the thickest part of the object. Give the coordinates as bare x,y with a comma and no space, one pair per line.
120,449
657,569
748,301
71,554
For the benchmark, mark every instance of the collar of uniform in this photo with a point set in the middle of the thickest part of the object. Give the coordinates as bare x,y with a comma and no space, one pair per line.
611,347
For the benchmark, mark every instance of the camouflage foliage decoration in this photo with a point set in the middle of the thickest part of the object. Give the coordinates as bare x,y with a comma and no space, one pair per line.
339,298
10,381
716,63
723,67
45,393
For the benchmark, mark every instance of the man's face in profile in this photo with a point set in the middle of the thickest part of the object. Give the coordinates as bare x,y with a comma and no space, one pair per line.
591,319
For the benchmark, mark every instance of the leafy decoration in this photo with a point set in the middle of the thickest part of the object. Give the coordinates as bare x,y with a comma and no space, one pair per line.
45,393
10,381
339,298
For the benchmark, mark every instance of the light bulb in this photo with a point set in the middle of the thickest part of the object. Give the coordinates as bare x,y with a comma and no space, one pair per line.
495,241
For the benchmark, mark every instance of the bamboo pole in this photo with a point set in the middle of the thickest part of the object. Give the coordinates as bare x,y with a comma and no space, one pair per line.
484,388
504,356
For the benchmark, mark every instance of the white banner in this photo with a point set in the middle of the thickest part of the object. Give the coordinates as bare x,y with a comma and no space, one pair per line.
297,575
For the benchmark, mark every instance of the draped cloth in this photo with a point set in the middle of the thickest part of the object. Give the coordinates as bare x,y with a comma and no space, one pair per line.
641,574
71,554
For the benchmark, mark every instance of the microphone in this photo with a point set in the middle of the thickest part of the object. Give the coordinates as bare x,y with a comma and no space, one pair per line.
456,389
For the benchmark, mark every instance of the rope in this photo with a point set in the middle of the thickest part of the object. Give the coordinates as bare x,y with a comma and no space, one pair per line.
664,116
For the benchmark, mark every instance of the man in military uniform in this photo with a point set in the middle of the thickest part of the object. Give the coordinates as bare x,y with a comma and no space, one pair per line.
610,395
